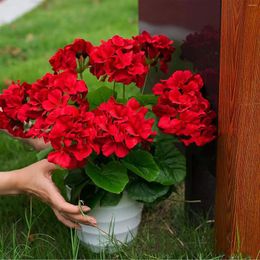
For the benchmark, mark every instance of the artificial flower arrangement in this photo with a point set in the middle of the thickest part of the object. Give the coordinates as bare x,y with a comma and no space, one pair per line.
112,143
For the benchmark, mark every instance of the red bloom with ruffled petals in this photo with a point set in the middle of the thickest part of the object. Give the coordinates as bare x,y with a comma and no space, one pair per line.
121,127
66,59
182,109
119,60
156,48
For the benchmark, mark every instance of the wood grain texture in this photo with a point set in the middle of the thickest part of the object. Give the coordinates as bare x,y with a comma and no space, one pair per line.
238,163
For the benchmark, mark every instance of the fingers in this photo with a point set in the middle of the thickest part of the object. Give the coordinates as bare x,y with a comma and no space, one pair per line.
61,205
66,221
87,220
73,220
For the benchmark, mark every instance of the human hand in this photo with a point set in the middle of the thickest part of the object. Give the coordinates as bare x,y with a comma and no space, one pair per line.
36,179
38,143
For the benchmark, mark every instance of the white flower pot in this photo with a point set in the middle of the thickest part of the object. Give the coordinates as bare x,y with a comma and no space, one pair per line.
118,224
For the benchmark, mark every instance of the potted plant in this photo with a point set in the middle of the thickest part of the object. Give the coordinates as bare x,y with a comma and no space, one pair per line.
120,147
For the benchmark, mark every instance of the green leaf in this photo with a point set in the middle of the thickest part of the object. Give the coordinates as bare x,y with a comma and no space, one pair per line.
111,177
160,137
142,164
121,100
94,200
171,162
76,190
98,96
146,99
145,191
43,153
91,195
110,199
75,177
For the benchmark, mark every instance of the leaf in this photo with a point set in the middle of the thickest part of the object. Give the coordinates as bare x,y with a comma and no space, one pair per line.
110,199
91,195
98,96
171,162
76,191
147,99
142,164
75,177
145,191
43,153
111,177
95,199
160,137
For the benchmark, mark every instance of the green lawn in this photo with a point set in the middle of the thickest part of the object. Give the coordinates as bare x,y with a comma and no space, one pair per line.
25,47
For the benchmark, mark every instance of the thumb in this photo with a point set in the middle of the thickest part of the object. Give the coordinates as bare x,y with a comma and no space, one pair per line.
48,166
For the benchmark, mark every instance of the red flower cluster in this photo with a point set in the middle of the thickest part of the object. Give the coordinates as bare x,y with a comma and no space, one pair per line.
121,127
72,135
65,59
117,59
11,102
182,109
156,48
120,60
54,108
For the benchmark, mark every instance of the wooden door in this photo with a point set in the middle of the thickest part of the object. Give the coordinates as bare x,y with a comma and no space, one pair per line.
238,162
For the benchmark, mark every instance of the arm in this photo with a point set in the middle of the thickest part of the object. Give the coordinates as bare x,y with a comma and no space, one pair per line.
8,183
36,179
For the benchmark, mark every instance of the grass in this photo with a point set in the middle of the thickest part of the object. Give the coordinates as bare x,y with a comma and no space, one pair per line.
28,228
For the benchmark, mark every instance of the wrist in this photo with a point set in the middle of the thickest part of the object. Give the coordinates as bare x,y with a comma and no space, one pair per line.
9,183
20,181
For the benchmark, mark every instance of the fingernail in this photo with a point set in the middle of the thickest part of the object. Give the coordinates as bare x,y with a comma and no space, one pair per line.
85,208
94,224
93,221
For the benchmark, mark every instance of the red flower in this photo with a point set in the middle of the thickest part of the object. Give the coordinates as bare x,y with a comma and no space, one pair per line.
121,127
182,109
120,60
65,59
72,135
156,48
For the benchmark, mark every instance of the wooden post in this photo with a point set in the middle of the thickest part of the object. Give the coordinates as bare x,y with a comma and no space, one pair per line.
238,162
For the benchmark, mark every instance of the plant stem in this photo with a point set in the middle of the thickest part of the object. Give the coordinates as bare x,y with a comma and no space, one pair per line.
114,89
81,66
123,91
81,75
146,78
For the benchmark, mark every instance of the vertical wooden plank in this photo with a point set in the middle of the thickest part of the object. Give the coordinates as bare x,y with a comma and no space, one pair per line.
238,163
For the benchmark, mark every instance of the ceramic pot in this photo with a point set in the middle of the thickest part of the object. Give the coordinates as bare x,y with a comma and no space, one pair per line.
116,225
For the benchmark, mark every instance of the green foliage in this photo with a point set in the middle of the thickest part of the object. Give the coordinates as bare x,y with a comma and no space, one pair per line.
146,99
99,95
75,177
110,199
142,164
111,177
145,191
171,162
